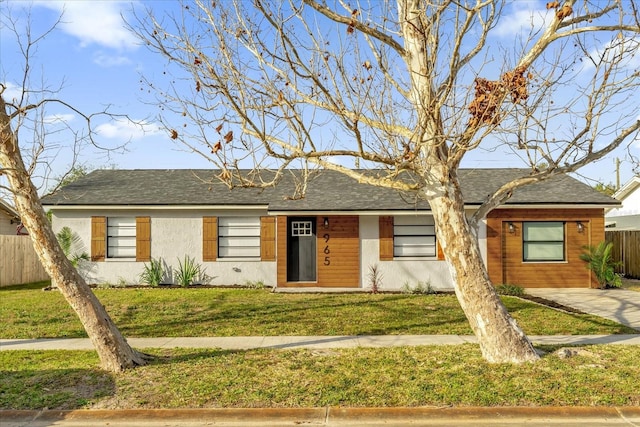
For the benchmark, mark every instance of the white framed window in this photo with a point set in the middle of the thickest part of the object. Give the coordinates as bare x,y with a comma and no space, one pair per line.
543,241
414,236
239,237
301,228
121,237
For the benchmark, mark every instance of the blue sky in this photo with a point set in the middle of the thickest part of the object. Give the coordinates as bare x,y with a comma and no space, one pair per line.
98,63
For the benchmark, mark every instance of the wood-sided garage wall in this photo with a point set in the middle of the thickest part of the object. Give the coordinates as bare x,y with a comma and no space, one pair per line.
505,249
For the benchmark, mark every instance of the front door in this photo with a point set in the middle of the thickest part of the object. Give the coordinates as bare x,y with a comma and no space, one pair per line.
301,249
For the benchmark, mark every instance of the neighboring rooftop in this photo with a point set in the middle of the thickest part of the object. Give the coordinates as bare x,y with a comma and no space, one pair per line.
326,191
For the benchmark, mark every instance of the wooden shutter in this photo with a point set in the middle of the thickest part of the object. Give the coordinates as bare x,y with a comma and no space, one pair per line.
143,238
386,238
209,238
98,238
267,238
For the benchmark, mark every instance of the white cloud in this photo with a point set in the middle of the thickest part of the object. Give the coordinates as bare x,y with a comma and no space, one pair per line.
58,118
95,22
523,21
105,60
626,52
12,92
126,130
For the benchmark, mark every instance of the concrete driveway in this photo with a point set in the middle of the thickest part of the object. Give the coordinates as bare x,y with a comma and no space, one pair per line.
619,305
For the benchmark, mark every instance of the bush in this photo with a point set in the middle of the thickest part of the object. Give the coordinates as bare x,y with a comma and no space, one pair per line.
512,290
188,271
600,261
422,288
153,273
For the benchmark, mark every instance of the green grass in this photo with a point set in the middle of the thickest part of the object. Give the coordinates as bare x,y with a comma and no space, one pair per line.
409,376
28,312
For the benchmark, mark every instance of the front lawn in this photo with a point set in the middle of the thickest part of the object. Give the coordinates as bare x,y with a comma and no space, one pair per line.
151,312
406,376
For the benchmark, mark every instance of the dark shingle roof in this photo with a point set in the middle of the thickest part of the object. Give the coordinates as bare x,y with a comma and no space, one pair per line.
327,191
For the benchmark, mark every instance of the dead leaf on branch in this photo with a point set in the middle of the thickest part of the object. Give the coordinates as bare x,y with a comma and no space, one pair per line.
490,94
174,134
228,137
198,86
219,128
197,61
552,5
352,25
217,147
367,65
565,11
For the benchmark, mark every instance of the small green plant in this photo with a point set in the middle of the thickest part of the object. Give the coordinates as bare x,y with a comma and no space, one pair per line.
421,288
512,290
152,273
72,246
188,271
600,261
375,278
255,284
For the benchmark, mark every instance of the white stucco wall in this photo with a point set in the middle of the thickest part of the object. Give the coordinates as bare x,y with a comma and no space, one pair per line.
174,234
404,270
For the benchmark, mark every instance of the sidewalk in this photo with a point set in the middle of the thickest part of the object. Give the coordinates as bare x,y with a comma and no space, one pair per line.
312,342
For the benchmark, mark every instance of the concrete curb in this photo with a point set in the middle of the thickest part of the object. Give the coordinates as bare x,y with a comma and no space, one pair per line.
330,416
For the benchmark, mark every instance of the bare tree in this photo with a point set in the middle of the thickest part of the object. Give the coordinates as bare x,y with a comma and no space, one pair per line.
409,89
23,130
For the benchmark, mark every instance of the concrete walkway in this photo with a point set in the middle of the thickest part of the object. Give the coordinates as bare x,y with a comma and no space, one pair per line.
619,305
310,342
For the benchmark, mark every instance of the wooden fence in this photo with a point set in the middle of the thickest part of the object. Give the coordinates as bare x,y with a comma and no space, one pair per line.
19,262
626,249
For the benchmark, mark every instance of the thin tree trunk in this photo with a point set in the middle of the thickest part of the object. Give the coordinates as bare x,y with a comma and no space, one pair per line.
501,339
114,351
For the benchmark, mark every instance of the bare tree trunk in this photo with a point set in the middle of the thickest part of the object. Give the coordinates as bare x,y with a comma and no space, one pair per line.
114,351
500,338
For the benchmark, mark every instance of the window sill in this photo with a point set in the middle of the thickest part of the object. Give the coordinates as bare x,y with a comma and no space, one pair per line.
546,262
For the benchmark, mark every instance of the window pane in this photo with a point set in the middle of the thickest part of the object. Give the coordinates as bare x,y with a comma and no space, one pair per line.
543,251
239,252
543,231
121,237
239,237
408,230
543,241
414,236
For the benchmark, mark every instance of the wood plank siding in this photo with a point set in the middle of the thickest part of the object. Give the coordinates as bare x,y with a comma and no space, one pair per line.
505,249
338,253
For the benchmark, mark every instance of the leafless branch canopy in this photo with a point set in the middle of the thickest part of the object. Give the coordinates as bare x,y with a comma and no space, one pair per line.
407,87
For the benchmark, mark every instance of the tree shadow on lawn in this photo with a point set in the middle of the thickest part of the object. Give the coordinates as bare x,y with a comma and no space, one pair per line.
281,318
60,389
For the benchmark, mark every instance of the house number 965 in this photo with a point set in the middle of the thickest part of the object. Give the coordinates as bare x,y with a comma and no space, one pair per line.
327,251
